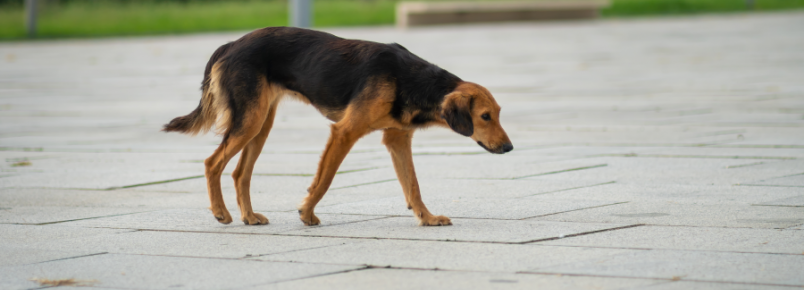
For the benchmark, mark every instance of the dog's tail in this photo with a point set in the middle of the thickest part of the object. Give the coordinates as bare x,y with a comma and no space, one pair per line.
213,107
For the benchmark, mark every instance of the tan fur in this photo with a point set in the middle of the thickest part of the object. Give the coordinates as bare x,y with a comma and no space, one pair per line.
257,123
490,133
398,143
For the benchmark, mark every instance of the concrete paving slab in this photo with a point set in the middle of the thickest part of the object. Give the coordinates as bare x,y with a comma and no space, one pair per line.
14,256
447,255
500,167
657,170
795,201
407,279
100,170
475,230
693,265
43,236
757,153
674,193
133,271
123,198
188,244
55,214
487,208
685,214
794,180
693,238
800,227
714,286
202,221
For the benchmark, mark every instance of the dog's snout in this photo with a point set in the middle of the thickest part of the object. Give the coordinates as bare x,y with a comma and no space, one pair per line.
508,147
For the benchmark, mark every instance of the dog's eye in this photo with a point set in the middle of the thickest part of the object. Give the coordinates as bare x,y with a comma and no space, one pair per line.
486,117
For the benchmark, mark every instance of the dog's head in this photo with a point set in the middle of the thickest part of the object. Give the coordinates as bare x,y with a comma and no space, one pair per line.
471,111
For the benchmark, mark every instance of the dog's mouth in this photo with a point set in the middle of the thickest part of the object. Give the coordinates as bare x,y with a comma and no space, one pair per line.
499,150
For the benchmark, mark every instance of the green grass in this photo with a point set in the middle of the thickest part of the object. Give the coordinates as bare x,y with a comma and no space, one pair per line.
108,17
92,18
621,8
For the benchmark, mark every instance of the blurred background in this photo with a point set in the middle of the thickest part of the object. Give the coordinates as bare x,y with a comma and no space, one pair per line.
95,18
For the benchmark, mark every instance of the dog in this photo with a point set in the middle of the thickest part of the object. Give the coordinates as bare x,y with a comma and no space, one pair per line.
361,86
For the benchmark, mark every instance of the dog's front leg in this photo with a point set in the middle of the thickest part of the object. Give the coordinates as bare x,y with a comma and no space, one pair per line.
398,143
341,140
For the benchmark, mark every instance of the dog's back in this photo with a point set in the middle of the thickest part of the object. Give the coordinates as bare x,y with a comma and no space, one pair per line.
323,69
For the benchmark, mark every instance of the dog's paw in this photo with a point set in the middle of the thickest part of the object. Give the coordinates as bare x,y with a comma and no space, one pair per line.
309,219
436,220
222,216
255,219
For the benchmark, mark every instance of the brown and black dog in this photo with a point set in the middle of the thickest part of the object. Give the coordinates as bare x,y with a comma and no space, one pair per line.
361,86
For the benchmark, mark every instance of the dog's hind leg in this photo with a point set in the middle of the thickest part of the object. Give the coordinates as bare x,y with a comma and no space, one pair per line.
398,143
253,123
344,135
244,169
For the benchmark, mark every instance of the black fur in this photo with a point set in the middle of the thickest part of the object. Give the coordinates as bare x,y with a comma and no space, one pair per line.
459,117
328,70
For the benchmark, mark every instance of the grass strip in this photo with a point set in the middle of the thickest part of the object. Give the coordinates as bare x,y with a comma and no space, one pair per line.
97,18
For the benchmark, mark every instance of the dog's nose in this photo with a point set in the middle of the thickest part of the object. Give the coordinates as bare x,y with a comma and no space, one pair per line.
508,147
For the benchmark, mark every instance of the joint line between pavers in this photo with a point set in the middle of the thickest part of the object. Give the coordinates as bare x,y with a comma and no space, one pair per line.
361,184
320,236
284,174
316,276
768,185
153,183
694,156
791,175
70,258
310,174
542,174
88,218
669,249
674,279
566,189
344,223
757,146
583,233
777,205
291,251
744,165
560,171
566,211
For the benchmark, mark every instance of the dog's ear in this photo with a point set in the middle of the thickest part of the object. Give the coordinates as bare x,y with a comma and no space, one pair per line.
457,111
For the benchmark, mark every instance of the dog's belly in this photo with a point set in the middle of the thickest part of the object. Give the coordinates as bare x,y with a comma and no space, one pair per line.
332,114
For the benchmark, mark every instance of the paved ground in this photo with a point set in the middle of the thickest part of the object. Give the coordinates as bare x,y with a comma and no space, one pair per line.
650,154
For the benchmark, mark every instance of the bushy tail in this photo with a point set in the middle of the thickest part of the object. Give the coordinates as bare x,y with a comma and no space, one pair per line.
208,110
